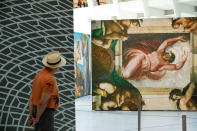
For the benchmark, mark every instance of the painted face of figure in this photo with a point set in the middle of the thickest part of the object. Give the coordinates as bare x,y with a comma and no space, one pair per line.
176,23
176,26
176,97
136,23
126,23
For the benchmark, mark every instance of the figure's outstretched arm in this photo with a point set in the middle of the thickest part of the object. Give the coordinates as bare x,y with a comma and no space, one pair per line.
173,67
133,65
189,92
169,42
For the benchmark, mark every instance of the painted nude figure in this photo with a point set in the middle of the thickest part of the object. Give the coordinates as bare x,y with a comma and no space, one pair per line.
112,30
188,23
118,98
141,61
184,101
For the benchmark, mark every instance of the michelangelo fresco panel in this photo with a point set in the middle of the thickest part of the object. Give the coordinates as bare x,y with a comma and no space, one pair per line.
147,64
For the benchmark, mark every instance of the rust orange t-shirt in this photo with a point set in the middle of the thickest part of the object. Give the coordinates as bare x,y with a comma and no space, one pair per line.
45,82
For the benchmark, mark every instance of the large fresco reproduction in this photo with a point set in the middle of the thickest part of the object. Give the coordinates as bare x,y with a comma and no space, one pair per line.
81,64
149,64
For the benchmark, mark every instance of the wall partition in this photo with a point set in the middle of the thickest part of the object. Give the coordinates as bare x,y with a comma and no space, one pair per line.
29,30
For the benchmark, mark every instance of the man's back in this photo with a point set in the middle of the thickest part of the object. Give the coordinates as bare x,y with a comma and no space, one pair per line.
45,82
190,105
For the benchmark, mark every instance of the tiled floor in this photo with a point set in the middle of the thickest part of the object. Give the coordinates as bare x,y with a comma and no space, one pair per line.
88,120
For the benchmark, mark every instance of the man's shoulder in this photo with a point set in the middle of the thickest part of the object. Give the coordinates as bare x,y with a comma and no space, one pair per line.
45,75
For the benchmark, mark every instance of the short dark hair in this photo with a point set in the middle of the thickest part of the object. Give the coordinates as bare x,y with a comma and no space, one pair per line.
137,21
175,92
174,22
172,56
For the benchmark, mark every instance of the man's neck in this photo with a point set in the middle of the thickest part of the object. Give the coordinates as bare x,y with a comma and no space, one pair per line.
50,70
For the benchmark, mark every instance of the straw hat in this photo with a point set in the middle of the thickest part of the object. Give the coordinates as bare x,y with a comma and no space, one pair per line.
53,60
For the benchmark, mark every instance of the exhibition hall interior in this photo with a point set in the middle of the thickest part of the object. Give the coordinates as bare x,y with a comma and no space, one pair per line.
120,83
131,65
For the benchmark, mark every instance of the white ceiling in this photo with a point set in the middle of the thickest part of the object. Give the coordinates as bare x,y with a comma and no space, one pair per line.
132,9
180,7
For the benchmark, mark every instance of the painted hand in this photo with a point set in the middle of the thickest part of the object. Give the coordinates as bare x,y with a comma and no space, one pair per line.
181,38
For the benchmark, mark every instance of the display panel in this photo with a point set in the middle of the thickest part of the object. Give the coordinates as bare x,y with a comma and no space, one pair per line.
81,64
144,63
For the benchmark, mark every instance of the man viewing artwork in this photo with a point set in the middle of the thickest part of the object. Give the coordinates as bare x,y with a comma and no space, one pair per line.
44,99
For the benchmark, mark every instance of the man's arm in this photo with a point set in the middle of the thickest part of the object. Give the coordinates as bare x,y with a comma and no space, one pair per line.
30,120
30,105
172,67
189,92
41,106
169,42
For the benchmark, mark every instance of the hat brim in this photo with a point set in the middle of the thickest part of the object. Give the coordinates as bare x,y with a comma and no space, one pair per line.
62,63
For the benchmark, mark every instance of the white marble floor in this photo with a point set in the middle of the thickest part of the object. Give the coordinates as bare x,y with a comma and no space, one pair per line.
88,120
